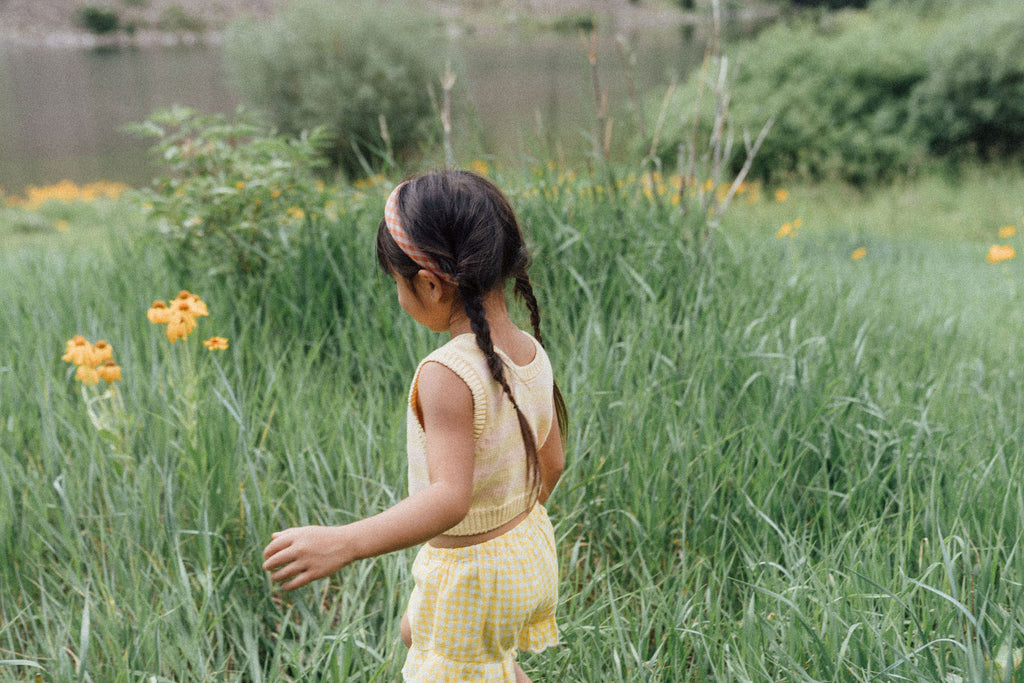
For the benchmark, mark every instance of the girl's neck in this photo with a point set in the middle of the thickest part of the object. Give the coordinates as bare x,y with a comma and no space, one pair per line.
505,334
495,310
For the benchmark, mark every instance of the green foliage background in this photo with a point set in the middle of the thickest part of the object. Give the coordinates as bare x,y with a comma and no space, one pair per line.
348,67
869,96
782,463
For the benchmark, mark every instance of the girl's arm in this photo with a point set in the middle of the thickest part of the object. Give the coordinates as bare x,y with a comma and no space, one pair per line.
551,458
304,554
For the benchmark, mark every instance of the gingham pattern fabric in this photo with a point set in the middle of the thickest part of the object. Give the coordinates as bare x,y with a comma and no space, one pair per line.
474,607
401,237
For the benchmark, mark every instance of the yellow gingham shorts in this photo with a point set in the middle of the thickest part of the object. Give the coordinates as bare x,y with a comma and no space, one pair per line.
474,607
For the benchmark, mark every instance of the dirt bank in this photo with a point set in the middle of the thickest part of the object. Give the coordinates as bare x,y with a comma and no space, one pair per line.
52,23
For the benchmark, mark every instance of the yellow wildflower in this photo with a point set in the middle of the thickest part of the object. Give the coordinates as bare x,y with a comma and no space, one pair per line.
785,231
109,371
187,301
781,195
101,352
62,225
79,351
180,325
159,313
797,222
859,253
997,253
240,185
480,167
216,343
296,212
1007,231
87,375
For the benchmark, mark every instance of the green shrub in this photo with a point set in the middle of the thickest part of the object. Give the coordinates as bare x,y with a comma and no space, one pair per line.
868,96
839,101
349,67
240,199
98,19
972,101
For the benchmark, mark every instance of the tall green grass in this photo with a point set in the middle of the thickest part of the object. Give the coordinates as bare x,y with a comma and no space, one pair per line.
783,464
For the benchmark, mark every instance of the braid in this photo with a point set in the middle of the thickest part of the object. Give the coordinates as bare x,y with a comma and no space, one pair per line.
465,224
482,330
524,290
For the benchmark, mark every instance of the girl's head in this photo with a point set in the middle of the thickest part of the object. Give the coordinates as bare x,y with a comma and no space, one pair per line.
460,227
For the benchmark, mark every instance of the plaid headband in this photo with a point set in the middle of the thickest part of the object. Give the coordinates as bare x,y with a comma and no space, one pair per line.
401,237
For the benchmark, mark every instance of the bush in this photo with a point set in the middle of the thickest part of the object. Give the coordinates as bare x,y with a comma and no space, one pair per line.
361,73
839,102
240,199
972,102
868,96
97,19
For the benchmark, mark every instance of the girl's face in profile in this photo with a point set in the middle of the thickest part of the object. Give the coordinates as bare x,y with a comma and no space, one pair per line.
423,299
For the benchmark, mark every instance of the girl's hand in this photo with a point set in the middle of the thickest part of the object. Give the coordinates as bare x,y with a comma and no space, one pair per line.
308,553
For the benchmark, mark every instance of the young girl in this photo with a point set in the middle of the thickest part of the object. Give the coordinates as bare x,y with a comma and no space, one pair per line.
484,426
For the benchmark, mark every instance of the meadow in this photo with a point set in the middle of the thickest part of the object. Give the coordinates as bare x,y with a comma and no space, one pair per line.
794,450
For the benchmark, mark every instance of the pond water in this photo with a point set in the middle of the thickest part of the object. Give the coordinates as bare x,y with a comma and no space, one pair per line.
62,111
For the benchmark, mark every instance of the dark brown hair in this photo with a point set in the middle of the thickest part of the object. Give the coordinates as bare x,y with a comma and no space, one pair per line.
467,225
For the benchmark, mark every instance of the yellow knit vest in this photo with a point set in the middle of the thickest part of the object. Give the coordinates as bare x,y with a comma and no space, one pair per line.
500,487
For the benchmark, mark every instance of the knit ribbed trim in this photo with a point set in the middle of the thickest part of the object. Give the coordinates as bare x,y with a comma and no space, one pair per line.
480,521
526,372
468,374
450,358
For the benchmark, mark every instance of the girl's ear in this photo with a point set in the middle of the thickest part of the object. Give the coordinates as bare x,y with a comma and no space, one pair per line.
428,285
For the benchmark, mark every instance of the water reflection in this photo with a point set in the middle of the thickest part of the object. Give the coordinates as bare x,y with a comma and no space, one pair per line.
62,111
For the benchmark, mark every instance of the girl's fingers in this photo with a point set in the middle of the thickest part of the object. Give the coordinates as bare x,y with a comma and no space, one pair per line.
279,559
287,573
277,544
298,582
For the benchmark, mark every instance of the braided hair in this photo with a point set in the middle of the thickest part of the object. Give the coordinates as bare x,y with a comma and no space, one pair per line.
467,226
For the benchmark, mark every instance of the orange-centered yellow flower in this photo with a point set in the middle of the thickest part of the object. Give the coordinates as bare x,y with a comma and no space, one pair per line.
79,351
179,314
180,325
109,371
87,375
159,313
859,253
101,352
216,343
189,301
1007,231
1000,252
